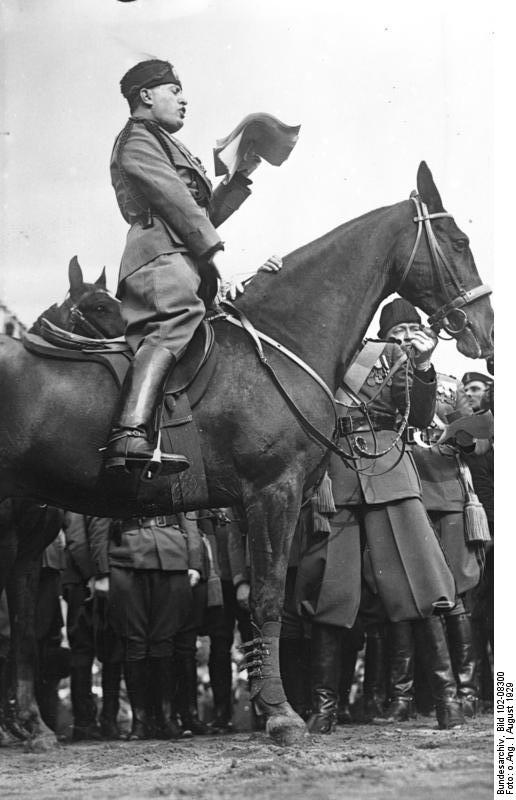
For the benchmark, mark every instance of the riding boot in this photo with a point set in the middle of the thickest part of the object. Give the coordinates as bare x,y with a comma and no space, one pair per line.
111,675
431,634
375,668
401,678
135,673
221,684
347,673
162,679
325,663
84,708
187,695
292,668
464,661
129,445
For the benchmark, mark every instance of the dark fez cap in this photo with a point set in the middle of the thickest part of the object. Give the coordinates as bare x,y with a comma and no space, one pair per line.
147,74
394,313
469,377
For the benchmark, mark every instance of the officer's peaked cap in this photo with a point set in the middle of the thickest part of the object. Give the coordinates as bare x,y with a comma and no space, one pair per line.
147,74
397,312
469,377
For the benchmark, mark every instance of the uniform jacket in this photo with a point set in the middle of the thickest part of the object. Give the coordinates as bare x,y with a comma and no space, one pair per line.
350,488
185,210
79,564
174,548
437,464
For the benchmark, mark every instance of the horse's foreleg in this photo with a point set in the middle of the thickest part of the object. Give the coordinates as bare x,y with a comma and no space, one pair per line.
22,593
272,514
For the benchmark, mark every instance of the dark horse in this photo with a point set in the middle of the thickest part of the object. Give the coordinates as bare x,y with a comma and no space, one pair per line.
54,417
27,527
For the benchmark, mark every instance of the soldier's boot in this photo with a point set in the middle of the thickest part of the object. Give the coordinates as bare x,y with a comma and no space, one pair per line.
292,669
375,673
221,684
111,675
440,674
162,680
325,663
136,674
400,707
347,673
129,444
84,709
464,661
187,695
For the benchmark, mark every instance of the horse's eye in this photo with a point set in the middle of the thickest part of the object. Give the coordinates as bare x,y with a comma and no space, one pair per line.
100,308
460,244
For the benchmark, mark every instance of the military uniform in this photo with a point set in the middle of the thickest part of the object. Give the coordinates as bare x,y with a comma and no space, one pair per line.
379,508
444,498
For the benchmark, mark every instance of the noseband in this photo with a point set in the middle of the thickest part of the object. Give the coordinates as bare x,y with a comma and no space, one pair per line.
441,318
76,317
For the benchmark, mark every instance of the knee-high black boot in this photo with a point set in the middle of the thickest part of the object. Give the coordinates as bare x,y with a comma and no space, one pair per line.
347,673
129,444
136,673
326,663
111,675
162,680
292,669
401,672
220,679
186,665
440,674
464,661
83,705
375,673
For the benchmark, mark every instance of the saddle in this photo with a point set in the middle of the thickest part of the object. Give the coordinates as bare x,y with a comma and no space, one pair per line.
184,388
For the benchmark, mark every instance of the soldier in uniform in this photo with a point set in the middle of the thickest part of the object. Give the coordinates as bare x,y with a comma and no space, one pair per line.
164,194
146,567
379,512
439,465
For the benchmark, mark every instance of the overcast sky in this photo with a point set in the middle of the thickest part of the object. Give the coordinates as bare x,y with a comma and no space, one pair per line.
376,87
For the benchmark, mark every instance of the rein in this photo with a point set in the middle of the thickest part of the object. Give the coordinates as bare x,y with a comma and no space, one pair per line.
439,320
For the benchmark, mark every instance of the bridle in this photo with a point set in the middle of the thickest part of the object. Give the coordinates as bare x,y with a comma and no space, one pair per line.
450,317
76,317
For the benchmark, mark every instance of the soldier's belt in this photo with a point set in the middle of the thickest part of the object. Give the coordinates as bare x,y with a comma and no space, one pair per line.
133,523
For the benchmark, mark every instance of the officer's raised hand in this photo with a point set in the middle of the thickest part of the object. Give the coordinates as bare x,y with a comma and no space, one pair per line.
423,343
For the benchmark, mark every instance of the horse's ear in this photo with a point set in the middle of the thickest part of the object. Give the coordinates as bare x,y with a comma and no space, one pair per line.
427,189
101,280
75,276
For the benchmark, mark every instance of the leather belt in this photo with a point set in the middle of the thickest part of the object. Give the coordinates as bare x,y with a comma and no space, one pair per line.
133,523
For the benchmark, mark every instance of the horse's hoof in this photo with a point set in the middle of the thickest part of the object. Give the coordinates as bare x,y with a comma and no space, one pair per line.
286,729
42,743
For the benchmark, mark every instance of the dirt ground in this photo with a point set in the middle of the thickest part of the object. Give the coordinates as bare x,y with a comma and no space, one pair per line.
359,762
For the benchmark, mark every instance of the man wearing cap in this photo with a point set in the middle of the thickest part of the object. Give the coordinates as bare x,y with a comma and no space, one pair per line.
173,256
380,530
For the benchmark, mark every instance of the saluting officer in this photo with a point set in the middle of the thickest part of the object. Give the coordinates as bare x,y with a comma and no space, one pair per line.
378,506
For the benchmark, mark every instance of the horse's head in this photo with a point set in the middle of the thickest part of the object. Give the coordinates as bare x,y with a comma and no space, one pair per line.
89,309
439,275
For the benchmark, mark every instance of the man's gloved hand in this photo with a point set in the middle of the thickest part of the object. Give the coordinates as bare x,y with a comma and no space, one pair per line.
273,264
99,587
194,576
231,288
423,343
242,596
249,163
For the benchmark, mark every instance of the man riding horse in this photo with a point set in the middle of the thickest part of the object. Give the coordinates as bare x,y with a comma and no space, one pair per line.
173,254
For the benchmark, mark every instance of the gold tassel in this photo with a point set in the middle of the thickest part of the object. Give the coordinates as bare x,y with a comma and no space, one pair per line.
324,494
476,527
320,521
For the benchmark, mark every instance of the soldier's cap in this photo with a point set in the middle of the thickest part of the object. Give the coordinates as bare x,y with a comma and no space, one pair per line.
469,377
397,312
147,74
